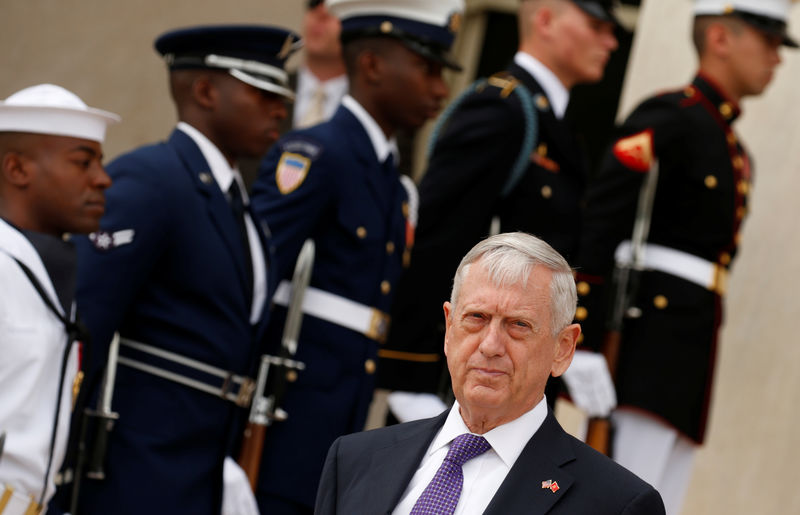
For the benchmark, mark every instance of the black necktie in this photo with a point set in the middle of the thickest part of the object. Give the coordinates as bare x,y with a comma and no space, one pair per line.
238,208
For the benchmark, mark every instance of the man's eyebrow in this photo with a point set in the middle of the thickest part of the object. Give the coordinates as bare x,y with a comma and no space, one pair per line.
87,149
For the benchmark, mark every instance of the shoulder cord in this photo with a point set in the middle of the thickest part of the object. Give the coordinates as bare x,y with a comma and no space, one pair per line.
531,124
73,331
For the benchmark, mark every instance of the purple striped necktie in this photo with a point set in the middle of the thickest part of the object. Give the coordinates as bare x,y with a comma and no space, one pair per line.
441,495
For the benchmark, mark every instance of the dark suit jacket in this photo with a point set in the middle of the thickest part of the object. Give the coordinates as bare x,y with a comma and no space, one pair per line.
179,284
368,473
459,194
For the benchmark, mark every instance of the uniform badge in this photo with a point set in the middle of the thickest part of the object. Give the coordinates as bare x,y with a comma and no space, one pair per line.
539,158
104,240
291,172
636,152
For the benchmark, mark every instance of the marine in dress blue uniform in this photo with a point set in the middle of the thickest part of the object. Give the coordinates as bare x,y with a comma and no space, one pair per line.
667,357
470,167
172,271
337,183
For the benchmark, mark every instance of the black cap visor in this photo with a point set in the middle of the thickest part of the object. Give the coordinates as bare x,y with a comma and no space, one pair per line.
769,26
600,10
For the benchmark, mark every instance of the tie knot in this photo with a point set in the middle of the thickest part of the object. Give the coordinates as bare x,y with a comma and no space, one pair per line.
465,447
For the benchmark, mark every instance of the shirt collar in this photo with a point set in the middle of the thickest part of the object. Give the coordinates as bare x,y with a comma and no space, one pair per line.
557,94
382,146
307,83
507,440
220,169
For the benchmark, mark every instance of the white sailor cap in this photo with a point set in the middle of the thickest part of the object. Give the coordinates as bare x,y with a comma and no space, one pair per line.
51,109
425,26
768,16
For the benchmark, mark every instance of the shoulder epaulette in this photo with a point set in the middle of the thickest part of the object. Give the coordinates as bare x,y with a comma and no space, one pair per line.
507,84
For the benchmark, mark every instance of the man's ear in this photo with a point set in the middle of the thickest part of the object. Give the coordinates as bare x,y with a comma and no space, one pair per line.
565,349
448,308
15,169
371,66
204,91
718,37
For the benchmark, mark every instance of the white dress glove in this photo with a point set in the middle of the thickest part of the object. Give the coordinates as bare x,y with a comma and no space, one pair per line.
589,383
408,406
237,497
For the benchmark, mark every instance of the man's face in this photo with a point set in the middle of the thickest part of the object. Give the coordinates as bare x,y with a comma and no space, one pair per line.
411,87
321,33
247,120
67,184
499,345
753,58
582,45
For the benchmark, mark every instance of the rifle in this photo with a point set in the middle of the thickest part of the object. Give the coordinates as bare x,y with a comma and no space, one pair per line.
266,407
625,281
101,421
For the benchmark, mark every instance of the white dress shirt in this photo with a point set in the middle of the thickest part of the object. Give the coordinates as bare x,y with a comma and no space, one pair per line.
225,175
307,86
483,474
383,146
556,92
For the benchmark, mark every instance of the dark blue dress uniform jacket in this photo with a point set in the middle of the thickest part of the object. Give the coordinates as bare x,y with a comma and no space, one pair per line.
353,208
180,285
667,356
459,194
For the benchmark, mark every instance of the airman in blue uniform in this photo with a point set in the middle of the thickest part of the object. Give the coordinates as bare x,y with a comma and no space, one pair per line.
337,183
183,271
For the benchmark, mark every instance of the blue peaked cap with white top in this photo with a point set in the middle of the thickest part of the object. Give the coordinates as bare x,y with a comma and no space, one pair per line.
428,27
254,54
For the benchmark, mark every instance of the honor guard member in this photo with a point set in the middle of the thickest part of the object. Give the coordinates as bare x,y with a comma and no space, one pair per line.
52,183
337,183
505,153
669,338
182,270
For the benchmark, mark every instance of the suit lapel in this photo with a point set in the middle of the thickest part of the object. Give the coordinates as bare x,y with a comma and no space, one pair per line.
219,210
541,461
392,467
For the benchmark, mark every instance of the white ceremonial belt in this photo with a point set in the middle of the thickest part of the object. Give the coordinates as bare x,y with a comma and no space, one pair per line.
230,381
16,503
371,322
711,276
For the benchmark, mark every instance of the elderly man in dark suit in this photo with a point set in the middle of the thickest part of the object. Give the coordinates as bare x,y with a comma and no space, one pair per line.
182,270
499,449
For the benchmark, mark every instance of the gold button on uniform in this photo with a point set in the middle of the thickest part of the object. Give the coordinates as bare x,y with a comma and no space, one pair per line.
689,91
291,376
547,191
711,182
583,288
386,287
738,162
580,339
542,102
726,110
390,247
660,302
361,232
581,313
369,366
743,187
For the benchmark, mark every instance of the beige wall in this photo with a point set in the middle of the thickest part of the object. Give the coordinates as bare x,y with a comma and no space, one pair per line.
103,51
749,464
